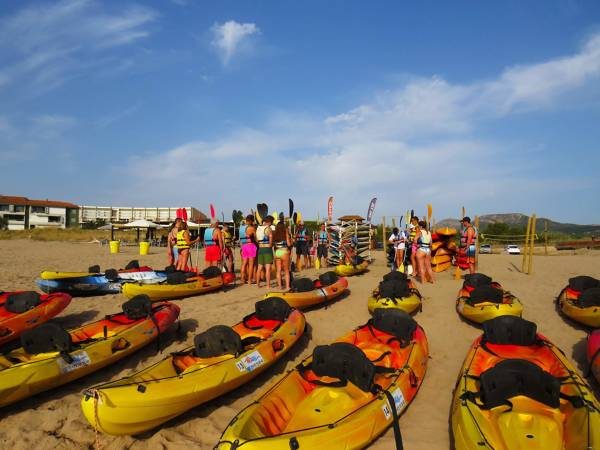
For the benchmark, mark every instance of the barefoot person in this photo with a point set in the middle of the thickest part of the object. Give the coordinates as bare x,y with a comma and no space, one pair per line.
323,242
213,245
248,245
302,249
412,237
184,242
172,254
264,237
423,253
467,243
227,248
282,242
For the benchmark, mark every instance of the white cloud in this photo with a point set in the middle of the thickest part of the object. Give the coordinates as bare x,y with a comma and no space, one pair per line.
231,38
44,45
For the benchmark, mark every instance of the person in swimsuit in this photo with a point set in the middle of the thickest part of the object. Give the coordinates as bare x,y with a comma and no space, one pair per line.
184,242
423,253
213,245
302,246
282,241
414,229
323,241
227,248
468,241
264,237
248,248
172,254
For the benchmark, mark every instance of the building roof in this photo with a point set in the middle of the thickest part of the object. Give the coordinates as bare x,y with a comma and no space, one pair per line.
14,200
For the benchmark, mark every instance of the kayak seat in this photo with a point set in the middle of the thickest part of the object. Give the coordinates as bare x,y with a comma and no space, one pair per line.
21,302
493,284
132,265
394,288
211,272
111,274
589,298
217,341
345,362
395,322
139,307
512,377
395,275
476,279
328,278
510,330
180,277
272,308
583,282
48,337
302,285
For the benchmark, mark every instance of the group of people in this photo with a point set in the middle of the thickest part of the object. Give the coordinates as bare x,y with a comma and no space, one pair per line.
261,246
413,246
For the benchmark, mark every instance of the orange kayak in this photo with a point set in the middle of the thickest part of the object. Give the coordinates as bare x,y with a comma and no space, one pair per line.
23,310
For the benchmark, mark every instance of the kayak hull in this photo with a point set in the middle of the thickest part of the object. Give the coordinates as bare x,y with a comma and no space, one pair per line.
481,312
407,304
318,296
348,270
567,302
165,291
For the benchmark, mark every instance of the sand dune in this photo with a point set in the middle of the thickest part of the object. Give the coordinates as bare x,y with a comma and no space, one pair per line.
54,419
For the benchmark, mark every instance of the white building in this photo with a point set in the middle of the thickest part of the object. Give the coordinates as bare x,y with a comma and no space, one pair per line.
22,213
116,215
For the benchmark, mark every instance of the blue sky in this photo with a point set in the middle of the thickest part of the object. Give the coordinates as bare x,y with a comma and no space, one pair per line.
490,105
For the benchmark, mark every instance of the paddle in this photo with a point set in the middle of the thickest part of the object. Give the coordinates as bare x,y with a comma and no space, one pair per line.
429,212
330,210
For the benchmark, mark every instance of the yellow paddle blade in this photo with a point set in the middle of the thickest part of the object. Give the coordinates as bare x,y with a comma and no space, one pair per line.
429,212
318,263
401,268
275,217
299,217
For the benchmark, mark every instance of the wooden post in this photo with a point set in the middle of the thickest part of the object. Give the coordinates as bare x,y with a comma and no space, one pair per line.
546,238
393,222
531,245
526,249
383,237
477,244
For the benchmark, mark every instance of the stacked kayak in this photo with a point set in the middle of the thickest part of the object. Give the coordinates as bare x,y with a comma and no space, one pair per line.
306,292
181,284
51,356
396,291
222,359
580,300
443,249
347,270
517,390
95,282
24,310
343,396
593,351
482,299
344,233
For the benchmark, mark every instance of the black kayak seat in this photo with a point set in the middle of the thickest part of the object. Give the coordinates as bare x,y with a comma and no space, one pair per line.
139,307
21,302
510,330
477,279
484,294
272,308
134,264
395,275
302,285
512,377
48,337
394,288
94,269
179,277
583,282
346,362
395,322
211,272
328,278
217,341
589,298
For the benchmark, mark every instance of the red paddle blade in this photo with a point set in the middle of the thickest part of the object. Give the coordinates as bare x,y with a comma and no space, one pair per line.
212,212
184,215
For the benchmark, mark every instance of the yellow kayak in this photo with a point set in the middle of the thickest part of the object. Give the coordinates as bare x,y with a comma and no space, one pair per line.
342,396
480,310
580,304
165,291
517,391
52,356
195,375
347,270
408,304
322,292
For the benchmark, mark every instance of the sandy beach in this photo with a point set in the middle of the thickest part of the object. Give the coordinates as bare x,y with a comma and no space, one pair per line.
54,419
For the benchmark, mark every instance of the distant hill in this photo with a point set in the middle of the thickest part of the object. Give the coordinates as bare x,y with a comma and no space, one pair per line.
517,219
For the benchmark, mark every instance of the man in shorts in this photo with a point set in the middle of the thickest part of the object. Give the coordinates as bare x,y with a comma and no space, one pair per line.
323,242
468,241
213,245
249,249
302,246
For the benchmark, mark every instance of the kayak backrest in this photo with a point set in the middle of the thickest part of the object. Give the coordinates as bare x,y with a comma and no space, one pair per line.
395,322
94,269
346,362
477,279
486,294
216,341
111,274
21,302
512,377
589,297
48,337
328,278
133,264
179,277
139,307
394,288
583,282
211,272
510,330
170,269
302,285
395,275
272,308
